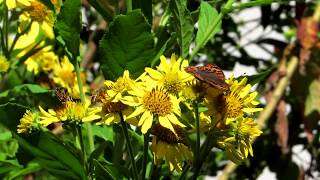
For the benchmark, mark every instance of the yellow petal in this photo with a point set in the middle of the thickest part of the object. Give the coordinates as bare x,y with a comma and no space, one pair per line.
137,111
165,122
156,75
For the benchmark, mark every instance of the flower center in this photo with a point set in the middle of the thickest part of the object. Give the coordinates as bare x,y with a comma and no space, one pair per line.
232,106
38,11
113,107
167,135
158,102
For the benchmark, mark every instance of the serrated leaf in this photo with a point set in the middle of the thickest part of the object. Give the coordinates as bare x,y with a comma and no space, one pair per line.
68,26
183,25
206,18
128,45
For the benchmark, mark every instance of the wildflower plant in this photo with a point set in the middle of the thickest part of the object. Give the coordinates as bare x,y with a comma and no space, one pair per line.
132,102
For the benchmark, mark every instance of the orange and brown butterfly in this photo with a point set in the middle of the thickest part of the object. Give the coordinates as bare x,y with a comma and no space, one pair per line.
210,74
63,95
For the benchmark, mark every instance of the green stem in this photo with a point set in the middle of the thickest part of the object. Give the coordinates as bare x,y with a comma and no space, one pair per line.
184,172
129,5
80,136
145,155
255,3
197,146
225,9
129,146
82,97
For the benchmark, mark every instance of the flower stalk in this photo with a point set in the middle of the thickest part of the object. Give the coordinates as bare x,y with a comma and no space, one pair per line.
129,146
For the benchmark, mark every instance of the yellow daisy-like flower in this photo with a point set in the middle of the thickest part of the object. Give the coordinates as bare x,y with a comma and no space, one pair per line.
44,60
235,103
174,154
70,111
151,102
4,64
171,75
11,4
39,14
238,147
116,90
110,112
28,122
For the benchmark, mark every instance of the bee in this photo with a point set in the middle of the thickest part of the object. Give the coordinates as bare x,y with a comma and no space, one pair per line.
64,96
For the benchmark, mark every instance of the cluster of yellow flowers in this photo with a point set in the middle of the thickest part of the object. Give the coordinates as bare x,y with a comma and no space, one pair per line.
153,103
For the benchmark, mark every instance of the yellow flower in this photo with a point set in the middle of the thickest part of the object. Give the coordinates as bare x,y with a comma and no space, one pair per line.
151,102
44,60
110,112
116,90
171,147
11,4
4,64
238,147
171,75
70,111
235,103
28,122
38,13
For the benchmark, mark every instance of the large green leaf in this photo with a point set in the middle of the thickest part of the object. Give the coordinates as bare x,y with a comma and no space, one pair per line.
52,154
206,18
68,27
182,22
312,103
127,45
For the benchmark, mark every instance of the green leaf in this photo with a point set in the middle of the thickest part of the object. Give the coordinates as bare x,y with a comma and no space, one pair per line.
52,154
183,25
105,169
170,41
104,132
68,26
206,17
19,172
128,45
24,89
254,79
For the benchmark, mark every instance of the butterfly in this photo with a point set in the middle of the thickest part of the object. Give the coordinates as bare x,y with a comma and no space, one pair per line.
64,96
210,74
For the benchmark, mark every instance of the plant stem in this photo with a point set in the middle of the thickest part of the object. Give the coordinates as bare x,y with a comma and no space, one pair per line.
129,5
129,146
145,155
84,155
82,97
197,146
225,9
